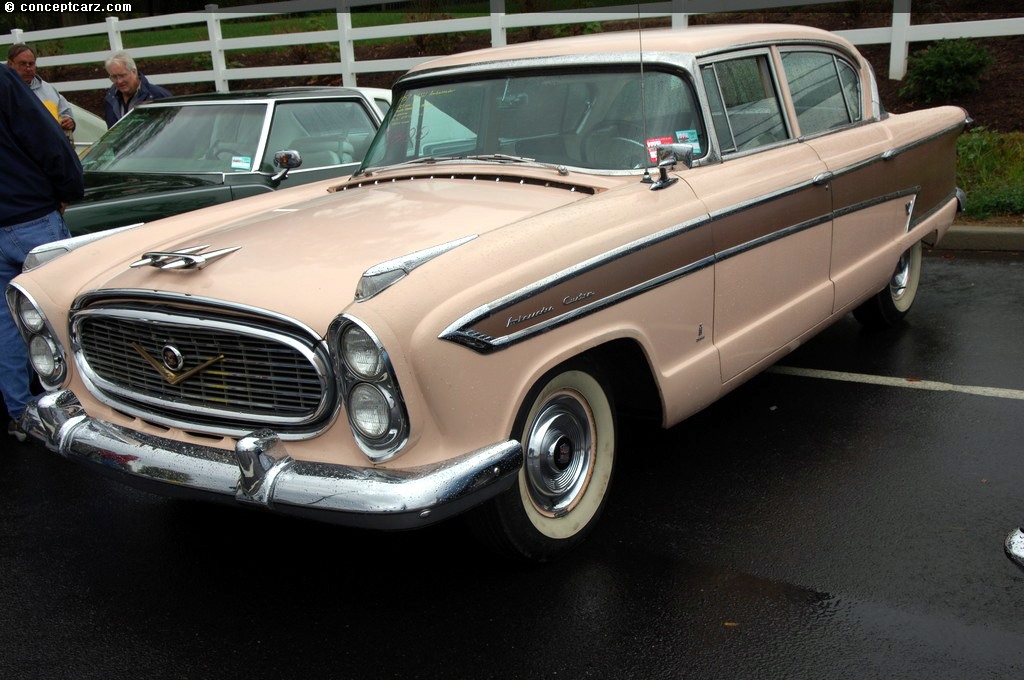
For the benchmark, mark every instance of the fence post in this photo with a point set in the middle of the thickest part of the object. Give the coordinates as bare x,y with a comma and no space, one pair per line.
220,81
899,46
680,17
17,36
498,36
346,46
114,35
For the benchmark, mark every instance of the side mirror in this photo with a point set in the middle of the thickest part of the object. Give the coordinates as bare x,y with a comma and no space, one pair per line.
668,156
286,160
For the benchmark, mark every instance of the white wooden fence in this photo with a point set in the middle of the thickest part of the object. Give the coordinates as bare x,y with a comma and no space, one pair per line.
899,34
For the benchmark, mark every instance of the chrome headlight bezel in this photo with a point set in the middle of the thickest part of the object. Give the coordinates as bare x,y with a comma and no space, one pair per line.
367,381
32,323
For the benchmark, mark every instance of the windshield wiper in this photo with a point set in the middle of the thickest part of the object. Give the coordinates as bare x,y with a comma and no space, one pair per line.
500,157
485,157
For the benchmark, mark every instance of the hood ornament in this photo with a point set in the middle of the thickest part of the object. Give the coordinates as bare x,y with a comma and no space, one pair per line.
186,258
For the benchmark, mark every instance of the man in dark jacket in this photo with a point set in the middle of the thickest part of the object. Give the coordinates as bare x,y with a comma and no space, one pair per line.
39,175
130,87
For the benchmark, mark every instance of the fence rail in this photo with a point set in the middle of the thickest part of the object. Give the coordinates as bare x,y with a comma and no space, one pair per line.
899,35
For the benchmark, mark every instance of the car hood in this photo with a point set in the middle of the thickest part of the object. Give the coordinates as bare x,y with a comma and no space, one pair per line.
103,186
306,258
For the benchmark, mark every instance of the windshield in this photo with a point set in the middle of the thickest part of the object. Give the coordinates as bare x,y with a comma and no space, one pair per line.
189,138
591,120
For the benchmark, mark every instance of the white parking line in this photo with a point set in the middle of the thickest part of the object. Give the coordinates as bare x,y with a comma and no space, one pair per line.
909,383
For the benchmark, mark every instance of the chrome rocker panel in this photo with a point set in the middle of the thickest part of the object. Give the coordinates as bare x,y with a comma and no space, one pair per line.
1015,547
261,473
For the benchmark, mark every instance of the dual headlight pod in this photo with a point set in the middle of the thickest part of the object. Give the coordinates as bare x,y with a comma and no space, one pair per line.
373,401
45,353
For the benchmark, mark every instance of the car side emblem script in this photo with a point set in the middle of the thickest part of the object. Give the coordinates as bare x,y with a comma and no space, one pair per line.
172,357
186,258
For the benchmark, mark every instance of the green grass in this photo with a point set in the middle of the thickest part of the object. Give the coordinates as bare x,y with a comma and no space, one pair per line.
990,168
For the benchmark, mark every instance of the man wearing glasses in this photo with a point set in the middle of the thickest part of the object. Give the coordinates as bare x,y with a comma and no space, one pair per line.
130,87
22,59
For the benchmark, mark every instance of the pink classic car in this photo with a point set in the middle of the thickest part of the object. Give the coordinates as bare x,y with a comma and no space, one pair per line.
539,235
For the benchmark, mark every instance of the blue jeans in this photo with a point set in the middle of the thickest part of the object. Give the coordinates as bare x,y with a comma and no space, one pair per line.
15,242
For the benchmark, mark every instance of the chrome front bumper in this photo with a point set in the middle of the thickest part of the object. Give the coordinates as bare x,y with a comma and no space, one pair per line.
1015,547
260,472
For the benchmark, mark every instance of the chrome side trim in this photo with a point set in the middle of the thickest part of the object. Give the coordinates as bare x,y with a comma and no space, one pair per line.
261,473
460,331
878,200
769,238
896,151
951,196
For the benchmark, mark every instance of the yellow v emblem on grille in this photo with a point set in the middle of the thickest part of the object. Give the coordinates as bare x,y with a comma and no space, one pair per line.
167,374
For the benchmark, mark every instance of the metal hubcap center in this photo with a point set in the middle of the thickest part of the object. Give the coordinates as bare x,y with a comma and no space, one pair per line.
561,452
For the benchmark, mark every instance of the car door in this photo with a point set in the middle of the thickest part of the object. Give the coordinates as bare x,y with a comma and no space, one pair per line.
770,216
870,208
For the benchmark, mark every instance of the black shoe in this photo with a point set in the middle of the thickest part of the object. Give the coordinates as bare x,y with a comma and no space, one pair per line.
15,430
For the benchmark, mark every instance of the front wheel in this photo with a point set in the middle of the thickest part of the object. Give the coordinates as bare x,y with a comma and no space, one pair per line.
893,302
567,429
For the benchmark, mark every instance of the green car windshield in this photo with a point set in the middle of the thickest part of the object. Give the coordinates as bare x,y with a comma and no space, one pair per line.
596,120
191,138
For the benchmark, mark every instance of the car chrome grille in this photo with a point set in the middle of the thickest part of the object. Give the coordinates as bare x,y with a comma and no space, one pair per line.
269,376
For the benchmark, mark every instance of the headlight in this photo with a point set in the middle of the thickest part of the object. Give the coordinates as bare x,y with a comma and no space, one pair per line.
370,411
373,400
361,354
46,355
45,358
31,318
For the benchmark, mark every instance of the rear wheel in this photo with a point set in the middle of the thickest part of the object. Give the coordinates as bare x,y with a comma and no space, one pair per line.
893,302
567,429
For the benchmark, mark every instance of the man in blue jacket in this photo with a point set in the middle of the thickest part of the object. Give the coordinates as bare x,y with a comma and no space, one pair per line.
130,87
39,175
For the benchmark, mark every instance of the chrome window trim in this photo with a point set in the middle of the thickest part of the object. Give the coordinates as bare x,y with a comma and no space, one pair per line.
837,56
764,51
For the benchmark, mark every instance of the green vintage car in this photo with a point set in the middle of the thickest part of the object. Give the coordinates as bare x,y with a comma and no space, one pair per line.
182,153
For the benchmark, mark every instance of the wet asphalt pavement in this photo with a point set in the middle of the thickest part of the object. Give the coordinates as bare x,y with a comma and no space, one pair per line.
803,526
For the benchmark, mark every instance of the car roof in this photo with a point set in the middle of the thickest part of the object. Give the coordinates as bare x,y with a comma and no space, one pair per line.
691,39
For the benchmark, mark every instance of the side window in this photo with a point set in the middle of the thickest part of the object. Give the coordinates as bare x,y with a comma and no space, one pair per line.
744,104
324,132
851,89
824,90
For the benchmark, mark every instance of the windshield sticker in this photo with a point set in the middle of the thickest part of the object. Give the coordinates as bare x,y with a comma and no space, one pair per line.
689,137
241,162
652,146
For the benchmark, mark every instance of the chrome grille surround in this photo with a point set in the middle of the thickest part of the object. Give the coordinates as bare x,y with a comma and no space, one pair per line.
275,372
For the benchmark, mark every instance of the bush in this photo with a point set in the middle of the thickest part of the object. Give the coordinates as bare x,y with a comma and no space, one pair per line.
946,71
990,168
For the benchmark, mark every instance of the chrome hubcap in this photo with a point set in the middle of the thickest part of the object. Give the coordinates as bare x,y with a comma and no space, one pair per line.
898,285
560,454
